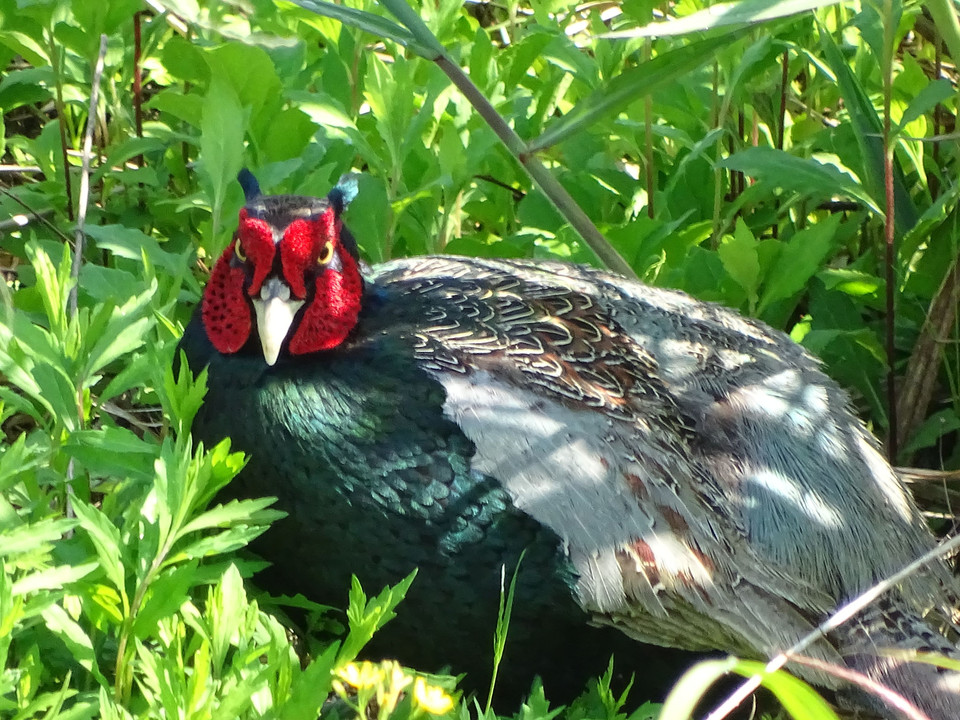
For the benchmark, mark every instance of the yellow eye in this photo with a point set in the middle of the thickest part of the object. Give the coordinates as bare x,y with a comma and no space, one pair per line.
238,251
326,255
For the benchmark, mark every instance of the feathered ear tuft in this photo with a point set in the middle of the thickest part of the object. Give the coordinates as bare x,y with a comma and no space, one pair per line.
251,188
344,192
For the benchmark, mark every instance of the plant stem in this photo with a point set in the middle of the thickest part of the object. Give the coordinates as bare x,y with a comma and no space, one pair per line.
889,30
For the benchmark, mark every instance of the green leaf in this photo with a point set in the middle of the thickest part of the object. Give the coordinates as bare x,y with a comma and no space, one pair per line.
221,140
106,540
928,98
743,12
693,685
309,691
738,252
932,429
32,537
801,258
806,176
632,85
368,22
167,592
868,131
365,618
69,631
55,578
112,451
797,698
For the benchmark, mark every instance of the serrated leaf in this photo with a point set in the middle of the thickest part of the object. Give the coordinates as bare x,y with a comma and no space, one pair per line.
365,618
55,578
236,511
106,540
76,640
34,536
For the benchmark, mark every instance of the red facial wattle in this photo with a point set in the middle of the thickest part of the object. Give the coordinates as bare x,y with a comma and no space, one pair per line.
225,311
331,316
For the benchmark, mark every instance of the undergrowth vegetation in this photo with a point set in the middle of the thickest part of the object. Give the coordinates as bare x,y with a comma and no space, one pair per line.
739,156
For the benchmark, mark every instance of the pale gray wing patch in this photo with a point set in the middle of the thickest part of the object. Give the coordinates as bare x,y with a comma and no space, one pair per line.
638,548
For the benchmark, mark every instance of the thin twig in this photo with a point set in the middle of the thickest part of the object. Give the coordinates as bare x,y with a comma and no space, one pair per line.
84,198
61,124
838,618
892,698
39,215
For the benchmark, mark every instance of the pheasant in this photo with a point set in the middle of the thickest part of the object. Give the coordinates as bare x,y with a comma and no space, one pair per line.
660,472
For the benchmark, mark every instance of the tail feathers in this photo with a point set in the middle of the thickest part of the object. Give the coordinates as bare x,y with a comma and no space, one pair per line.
885,646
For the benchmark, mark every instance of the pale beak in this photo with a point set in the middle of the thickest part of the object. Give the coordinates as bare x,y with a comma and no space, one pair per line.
275,312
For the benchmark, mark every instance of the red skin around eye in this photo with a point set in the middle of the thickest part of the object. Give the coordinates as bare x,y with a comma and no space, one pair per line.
256,237
333,312
298,251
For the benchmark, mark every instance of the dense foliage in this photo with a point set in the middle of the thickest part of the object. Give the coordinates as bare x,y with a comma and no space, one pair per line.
737,157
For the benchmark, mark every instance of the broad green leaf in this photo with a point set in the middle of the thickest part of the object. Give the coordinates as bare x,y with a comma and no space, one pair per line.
131,244
166,593
221,140
932,429
928,98
801,258
112,451
806,176
738,252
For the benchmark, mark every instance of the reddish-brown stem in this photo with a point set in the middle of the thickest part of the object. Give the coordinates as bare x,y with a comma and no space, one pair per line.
137,81
889,256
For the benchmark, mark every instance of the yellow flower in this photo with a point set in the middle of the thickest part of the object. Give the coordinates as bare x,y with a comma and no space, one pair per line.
361,675
431,698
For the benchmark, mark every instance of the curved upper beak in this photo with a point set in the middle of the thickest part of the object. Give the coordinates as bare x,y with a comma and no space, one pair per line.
275,312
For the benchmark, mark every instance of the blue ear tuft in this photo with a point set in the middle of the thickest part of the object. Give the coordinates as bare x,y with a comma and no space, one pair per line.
344,192
251,188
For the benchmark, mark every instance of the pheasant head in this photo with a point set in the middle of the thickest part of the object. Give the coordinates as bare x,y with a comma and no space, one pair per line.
291,272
